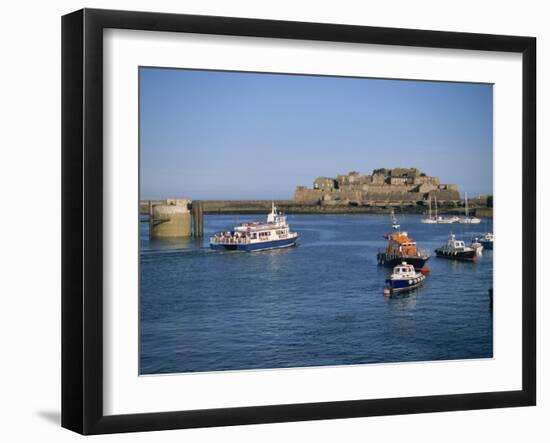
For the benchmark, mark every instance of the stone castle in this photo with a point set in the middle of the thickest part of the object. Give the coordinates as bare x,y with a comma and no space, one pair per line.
397,185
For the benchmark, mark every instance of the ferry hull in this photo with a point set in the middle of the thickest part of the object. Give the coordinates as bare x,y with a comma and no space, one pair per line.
250,247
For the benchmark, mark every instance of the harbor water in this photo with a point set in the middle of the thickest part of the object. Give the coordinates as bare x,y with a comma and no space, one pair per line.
316,304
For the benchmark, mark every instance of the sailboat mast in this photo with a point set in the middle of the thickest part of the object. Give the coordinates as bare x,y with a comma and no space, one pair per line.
466,198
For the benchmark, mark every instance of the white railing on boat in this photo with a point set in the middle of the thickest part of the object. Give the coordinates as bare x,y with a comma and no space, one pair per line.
229,240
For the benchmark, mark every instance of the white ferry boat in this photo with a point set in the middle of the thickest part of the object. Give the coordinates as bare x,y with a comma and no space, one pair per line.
256,236
403,278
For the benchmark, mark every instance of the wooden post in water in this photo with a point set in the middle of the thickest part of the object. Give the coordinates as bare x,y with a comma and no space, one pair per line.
201,219
197,210
150,210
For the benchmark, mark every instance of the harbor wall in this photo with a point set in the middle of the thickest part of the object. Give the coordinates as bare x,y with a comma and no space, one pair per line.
483,212
408,189
329,207
170,218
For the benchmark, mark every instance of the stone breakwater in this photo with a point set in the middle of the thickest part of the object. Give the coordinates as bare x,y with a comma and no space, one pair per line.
477,207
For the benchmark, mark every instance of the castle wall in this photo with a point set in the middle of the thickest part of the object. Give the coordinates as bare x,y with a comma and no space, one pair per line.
305,195
394,185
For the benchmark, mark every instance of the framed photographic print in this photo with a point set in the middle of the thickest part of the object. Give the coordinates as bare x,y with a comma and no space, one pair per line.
269,221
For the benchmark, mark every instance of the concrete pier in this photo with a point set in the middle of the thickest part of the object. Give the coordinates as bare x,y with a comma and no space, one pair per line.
198,218
170,219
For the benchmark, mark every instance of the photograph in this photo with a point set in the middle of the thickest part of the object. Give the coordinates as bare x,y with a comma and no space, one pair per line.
298,220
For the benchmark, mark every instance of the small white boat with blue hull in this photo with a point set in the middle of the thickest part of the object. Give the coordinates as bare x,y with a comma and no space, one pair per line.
403,278
487,240
274,233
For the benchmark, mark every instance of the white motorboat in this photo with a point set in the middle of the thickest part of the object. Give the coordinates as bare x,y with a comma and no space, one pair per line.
403,278
456,250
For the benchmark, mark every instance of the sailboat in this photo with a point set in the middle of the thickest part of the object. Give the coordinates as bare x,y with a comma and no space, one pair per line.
430,219
467,219
444,220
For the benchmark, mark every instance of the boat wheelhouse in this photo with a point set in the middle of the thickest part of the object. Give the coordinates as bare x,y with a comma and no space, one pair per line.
274,233
403,278
456,250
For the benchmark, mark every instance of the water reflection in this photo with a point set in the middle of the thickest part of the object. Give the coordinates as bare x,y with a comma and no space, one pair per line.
403,301
172,243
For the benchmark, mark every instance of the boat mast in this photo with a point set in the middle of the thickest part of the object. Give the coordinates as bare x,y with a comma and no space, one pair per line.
395,226
466,198
271,217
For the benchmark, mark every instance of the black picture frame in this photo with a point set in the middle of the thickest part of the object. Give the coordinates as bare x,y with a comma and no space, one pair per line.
82,218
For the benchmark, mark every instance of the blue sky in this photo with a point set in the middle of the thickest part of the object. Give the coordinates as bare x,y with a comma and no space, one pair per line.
231,135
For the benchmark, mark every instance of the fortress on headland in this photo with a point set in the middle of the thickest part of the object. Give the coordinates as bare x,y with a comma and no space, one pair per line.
400,186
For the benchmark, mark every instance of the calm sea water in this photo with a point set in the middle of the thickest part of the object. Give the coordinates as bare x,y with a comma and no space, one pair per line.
319,303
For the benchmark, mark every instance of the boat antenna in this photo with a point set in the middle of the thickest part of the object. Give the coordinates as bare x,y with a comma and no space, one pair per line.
395,226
